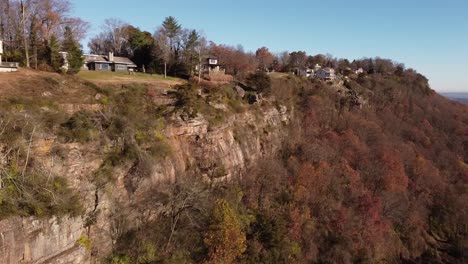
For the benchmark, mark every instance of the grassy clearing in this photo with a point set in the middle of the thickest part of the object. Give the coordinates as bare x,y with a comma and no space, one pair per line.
117,76
278,75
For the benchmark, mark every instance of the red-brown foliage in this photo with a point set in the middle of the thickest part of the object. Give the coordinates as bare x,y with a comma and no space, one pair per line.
235,60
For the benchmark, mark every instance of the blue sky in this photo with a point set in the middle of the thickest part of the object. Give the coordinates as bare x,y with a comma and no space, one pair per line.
429,36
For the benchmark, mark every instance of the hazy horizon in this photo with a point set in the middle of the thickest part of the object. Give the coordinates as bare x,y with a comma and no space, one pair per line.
428,38
458,94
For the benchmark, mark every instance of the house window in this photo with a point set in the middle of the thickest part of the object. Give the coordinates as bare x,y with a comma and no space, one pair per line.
120,67
103,66
213,61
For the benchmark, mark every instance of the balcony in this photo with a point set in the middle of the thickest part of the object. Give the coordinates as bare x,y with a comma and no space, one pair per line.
9,64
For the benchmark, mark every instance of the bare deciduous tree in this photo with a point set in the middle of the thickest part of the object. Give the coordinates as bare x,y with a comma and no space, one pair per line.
163,49
114,30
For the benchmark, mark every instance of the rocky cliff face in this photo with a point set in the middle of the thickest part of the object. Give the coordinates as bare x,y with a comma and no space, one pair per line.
218,153
29,240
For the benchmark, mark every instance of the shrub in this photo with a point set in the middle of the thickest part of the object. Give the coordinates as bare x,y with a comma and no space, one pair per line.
84,242
120,259
222,78
260,82
160,149
204,83
225,239
78,128
35,194
236,105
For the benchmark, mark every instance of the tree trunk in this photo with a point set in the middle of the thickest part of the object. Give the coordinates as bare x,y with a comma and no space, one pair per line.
35,57
199,65
25,40
2,26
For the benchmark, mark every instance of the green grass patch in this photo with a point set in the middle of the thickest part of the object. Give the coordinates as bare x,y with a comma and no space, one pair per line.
103,76
27,104
192,103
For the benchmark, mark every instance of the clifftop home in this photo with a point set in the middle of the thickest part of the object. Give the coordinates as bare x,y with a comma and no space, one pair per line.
304,72
210,66
359,71
7,66
108,62
318,72
325,74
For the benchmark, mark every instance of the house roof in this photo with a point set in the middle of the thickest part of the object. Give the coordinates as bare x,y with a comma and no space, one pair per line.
105,59
94,58
206,57
121,60
328,70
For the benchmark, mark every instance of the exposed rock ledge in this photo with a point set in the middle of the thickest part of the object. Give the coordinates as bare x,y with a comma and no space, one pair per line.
28,240
197,148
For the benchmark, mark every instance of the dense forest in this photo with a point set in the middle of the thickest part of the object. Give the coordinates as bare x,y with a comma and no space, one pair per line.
376,180
373,167
380,183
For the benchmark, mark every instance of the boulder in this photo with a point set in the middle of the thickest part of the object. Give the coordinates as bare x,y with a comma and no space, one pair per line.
240,91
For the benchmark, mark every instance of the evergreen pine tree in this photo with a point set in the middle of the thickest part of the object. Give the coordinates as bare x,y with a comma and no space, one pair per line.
53,56
191,54
171,28
74,52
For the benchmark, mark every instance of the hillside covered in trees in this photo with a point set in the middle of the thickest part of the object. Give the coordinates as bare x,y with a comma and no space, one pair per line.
264,167
380,183
340,181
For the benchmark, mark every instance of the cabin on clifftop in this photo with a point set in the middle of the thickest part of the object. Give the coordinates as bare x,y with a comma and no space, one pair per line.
108,62
210,66
304,72
325,74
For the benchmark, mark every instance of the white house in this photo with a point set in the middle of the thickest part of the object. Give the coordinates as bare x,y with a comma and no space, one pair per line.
358,71
210,66
325,74
7,66
65,64
304,72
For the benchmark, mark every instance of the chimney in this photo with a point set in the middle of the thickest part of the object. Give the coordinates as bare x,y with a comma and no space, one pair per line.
111,56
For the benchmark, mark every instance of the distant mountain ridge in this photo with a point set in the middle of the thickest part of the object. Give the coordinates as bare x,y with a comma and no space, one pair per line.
459,97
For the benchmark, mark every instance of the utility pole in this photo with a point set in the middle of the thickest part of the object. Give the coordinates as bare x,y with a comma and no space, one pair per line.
25,40
199,64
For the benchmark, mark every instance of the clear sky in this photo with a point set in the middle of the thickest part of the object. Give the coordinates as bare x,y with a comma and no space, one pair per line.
429,36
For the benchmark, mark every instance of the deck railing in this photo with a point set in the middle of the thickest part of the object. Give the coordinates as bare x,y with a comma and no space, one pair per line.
9,64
